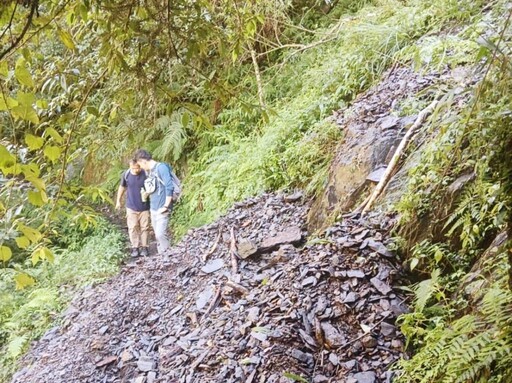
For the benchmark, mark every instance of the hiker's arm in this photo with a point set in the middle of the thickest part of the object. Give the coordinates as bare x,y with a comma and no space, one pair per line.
169,190
120,193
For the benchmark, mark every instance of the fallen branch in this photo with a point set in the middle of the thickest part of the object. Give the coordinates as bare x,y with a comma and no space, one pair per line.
235,286
398,153
212,304
233,252
212,249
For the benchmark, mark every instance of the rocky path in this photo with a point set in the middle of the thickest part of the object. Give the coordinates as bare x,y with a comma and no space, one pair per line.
246,299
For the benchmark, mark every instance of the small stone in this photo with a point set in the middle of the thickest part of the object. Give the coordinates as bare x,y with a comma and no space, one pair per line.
126,356
320,379
303,356
309,281
397,344
293,197
355,274
379,248
253,314
333,358
369,341
351,297
246,248
387,329
212,266
332,336
290,235
145,364
365,377
204,297
376,175
151,377
381,286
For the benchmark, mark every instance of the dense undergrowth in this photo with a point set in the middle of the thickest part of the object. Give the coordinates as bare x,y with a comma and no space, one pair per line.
244,155
454,218
455,332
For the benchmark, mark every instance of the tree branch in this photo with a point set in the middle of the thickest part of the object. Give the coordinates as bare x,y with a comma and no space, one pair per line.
33,7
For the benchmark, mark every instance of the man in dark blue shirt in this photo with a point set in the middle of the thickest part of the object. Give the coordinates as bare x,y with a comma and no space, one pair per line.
137,210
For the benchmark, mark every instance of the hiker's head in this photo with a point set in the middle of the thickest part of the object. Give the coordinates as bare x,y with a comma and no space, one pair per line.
143,158
134,167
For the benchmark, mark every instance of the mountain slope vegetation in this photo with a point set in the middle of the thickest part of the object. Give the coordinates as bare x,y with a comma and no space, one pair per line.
239,97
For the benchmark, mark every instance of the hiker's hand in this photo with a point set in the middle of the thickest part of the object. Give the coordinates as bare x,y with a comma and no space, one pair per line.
163,210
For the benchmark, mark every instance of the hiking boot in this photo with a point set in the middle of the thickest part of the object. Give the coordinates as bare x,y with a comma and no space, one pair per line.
135,252
143,252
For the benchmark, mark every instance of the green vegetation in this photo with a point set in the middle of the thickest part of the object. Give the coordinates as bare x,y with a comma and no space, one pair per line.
238,96
26,314
460,192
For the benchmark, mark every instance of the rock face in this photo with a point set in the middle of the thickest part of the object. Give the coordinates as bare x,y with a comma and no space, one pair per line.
324,311
371,135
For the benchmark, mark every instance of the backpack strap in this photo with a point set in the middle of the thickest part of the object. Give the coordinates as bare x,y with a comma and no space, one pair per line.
125,175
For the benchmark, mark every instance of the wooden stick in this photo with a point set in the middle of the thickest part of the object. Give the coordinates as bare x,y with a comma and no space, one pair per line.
212,304
212,249
234,253
398,153
235,286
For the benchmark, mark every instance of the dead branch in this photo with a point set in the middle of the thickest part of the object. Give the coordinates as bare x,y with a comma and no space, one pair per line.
214,246
261,96
233,252
213,303
235,286
398,153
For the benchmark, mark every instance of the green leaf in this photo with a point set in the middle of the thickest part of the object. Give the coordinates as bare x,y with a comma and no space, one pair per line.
23,280
22,242
22,74
294,377
15,346
6,104
36,197
4,69
30,170
25,112
5,253
6,158
438,255
42,104
414,263
26,98
67,39
33,142
36,181
47,254
42,253
32,234
93,110
54,134
52,152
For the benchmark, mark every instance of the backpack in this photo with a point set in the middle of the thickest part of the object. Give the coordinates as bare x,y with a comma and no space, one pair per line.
125,175
150,184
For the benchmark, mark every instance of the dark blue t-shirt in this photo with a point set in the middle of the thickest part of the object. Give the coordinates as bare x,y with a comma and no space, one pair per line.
133,184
